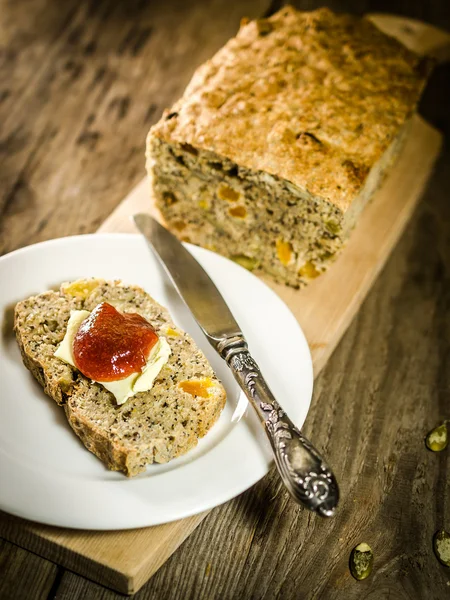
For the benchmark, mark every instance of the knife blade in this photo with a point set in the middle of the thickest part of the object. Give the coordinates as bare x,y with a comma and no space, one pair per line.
191,281
304,472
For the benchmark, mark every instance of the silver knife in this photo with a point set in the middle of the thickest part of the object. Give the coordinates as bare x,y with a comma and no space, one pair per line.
303,471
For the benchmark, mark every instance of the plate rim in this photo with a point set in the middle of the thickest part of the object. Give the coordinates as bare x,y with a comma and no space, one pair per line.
79,238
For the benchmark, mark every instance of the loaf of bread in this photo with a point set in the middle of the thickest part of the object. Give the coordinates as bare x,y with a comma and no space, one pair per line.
155,426
281,139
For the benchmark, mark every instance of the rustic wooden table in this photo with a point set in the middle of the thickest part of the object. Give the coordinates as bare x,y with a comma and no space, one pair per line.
81,83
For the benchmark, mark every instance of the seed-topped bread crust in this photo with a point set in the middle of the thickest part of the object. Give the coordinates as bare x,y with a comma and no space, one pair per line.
153,426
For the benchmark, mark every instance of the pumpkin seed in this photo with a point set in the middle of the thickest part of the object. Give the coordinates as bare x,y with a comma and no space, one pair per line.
308,270
247,262
361,561
332,227
441,546
437,439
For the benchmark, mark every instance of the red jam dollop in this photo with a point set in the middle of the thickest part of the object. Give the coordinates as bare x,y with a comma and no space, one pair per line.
110,346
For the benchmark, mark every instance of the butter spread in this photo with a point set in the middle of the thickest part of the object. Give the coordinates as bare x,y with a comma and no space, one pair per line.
122,389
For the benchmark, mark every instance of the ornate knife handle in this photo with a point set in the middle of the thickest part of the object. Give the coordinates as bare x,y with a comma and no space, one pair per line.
305,474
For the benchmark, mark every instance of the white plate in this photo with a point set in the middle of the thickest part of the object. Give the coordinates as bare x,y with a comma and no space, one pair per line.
47,475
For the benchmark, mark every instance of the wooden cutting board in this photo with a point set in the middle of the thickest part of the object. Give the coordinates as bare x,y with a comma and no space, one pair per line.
125,560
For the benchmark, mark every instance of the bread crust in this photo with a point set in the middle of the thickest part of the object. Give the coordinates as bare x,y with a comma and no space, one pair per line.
313,98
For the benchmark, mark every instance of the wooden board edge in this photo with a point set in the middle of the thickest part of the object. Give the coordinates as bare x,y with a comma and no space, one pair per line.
321,355
32,536
100,569
421,37
138,577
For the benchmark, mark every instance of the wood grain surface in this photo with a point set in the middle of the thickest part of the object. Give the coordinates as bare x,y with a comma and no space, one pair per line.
81,83
324,310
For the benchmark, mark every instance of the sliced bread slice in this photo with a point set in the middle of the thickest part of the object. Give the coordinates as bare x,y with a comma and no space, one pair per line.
155,426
